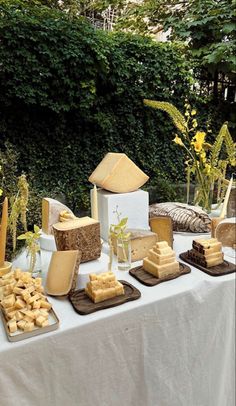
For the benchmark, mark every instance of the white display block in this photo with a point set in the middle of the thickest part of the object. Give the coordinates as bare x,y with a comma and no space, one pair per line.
47,242
133,205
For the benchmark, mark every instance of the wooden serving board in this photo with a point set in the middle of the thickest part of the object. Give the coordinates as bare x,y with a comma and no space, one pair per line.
218,270
84,305
148,279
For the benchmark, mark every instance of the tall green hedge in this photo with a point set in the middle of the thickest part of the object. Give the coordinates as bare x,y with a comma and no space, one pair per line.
69,94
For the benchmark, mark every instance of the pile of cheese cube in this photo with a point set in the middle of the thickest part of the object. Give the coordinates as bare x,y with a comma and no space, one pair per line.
104,286
23,301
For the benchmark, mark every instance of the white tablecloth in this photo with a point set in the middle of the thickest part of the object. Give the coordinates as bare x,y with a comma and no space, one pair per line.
172,347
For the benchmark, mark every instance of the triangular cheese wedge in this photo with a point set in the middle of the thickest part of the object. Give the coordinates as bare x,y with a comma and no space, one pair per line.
51,210
117,173
62,272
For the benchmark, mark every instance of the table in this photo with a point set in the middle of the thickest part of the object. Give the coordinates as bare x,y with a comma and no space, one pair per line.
175,346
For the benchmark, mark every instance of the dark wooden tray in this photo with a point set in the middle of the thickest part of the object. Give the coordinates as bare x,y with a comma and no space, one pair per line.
223,269
147,279
84,305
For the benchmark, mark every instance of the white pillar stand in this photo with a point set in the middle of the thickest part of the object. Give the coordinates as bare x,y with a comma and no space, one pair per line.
133,205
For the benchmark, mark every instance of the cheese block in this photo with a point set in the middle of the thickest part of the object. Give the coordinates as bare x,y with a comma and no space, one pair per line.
160,259
117,173
226,232
163,227
103,286
62,272
160,271
206,252
141,242
51,210
205,247
206,260
81,234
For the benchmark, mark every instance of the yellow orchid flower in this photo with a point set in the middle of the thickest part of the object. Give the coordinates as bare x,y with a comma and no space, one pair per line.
178,140
199,140
193,112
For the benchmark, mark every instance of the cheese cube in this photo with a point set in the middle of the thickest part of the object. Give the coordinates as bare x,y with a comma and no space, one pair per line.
12,326
29,326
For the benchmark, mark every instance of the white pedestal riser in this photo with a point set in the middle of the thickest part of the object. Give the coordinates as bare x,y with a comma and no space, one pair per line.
133,205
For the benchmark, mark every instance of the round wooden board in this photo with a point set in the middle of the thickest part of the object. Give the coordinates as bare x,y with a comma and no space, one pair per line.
84,305
223,269
147,279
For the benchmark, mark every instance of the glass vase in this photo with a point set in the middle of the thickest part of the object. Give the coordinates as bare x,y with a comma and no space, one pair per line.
33,262
124,253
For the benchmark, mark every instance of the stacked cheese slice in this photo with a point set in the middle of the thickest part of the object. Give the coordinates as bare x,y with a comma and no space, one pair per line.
206,252
103,286
161,260
24,305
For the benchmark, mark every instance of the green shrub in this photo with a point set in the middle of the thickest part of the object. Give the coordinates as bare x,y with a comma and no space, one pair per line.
69,94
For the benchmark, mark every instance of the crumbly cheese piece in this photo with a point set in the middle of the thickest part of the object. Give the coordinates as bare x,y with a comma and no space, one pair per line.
117,173
103,286
163,251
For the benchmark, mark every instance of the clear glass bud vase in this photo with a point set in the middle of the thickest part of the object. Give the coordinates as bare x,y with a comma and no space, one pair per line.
33,262
124,253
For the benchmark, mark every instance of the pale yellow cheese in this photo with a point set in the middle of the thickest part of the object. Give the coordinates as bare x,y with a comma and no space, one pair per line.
61,272
163,227
141,242
51,210
72,224
117,173
103,286
162,251
160,271
160,259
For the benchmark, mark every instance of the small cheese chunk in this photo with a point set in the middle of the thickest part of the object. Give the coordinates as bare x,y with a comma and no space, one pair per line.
12,326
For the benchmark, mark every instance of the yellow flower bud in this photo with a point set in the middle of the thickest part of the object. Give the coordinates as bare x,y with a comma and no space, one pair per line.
178,140
193,112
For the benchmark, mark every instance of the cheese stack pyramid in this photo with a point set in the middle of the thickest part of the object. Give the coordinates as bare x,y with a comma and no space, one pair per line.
207,252
103,286
161,260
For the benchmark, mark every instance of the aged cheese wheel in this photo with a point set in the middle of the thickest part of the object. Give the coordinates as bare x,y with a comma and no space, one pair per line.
81,234
226,232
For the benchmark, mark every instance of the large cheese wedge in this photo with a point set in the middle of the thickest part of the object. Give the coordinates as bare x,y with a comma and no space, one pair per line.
117,173
62,272
141,242
81,234
51,210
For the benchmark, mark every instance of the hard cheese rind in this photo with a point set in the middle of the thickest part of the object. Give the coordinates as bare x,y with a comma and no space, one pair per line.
62,272
81,234
161,261
51,210
117,173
